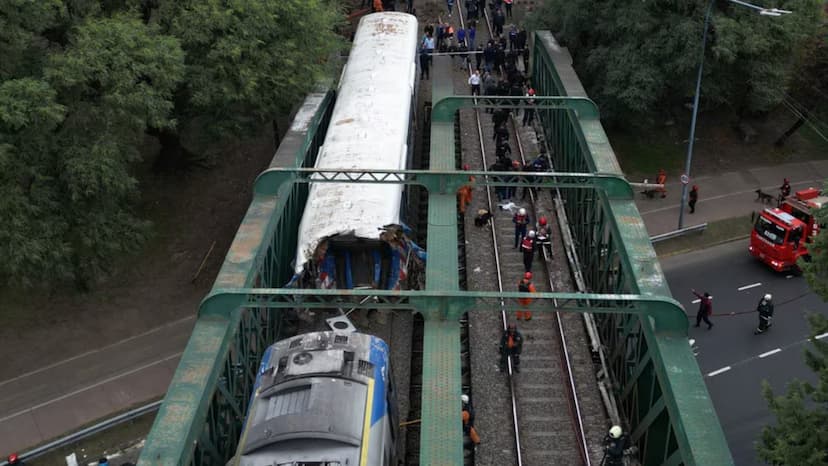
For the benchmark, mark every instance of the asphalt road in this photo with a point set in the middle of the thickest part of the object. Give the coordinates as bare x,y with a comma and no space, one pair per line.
733,360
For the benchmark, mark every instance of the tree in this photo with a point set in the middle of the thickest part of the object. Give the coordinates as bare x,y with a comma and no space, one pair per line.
68,140
247,61
799,437
642,57
809,88
82,84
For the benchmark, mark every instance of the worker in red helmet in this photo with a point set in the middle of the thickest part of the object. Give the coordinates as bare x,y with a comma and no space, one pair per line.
14,460
525,286
542,237
511,345
464,194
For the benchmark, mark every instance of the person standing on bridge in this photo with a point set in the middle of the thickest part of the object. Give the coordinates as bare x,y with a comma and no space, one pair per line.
464,194
468,420
661,179
474,82
765,310
529,113
521,220
616,444
525,286
542,235
511,345
527,247
705,309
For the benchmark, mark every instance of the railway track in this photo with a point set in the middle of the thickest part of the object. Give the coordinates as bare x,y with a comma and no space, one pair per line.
547,424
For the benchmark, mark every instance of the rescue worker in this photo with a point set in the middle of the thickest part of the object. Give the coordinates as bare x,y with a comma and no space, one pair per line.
615,445
527,247
694,197
542,236
765,310
785,189
529,114
520,219
464,194
467,414
425,59
525,286
705,309
661,179
14,460
511,344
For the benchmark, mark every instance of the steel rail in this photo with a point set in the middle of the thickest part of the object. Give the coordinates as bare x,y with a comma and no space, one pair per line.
574,405
490,204
575,416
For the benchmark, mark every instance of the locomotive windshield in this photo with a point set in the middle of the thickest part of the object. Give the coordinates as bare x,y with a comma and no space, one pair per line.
769,230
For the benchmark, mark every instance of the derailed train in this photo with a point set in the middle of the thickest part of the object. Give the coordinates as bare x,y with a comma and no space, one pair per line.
328,398
322,399
352,235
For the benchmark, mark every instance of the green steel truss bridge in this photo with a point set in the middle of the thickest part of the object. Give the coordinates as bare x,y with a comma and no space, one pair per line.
657,381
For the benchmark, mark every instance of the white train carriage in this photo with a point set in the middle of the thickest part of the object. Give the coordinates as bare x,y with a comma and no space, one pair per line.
322,398
352,234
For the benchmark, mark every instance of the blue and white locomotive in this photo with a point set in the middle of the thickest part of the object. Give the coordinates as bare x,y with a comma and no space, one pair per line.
322,398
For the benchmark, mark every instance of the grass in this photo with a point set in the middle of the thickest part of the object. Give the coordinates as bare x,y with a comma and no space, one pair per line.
105,443
642,155
718,232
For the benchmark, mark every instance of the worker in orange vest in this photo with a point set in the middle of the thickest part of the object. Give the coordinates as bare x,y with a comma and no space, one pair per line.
525,286
661,179
464,194
511,344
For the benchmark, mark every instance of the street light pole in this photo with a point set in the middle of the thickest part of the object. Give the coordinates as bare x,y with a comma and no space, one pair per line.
695,113
762,11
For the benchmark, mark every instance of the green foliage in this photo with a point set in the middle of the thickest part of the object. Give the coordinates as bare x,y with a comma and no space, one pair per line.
248,60
799,437
816,270
82,83
21,23
642,57
68,140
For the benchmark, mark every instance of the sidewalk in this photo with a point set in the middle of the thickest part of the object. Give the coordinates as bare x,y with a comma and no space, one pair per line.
728,195
61,396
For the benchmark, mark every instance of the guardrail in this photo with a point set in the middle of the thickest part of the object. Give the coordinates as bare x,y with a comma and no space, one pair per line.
88,432
675,234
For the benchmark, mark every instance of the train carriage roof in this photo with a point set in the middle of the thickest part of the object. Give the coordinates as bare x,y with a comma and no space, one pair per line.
368,130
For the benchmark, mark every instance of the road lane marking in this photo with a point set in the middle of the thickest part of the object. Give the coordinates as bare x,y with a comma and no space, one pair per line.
89,387
747,287
768,353
821,336
91,352
719,371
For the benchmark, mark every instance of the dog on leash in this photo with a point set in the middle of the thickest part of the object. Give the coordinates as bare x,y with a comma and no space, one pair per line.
763,197
483,216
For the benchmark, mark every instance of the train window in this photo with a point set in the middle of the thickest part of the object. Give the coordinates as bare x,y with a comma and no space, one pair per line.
341,339
365,368
282,364
295,343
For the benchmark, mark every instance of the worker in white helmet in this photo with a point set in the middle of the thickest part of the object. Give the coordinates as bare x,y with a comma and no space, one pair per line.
765,310
521,220
616,444
527,247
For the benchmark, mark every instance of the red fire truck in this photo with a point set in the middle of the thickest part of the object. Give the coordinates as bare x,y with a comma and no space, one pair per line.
780,235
